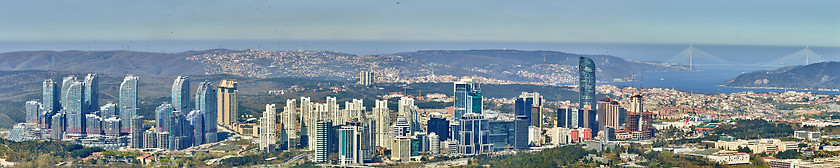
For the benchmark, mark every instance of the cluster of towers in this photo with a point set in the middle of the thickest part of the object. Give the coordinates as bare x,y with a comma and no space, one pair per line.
606,114
71,110
179,124
354,133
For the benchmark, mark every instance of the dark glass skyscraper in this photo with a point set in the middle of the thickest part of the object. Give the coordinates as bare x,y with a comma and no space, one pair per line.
586,84
523,107
439,126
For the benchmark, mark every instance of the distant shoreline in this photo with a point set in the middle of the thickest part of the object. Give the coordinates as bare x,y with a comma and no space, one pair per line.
782,88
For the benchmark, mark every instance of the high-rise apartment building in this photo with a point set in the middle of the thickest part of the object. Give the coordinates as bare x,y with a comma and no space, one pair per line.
51,95
75,106
205,101
33,109
93,124
268,130
289,118
92,92
227,104
366,78
58,125
196,119
181,94
65,84
382,123
162,119
137,131
128,101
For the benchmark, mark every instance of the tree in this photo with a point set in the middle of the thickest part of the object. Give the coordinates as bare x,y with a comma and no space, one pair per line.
788,154
744,149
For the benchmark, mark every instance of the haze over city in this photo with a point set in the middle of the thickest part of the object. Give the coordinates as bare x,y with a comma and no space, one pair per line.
435,83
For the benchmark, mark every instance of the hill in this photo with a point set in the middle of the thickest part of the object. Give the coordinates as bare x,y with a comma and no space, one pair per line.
507,65
822,75
112,62
533,66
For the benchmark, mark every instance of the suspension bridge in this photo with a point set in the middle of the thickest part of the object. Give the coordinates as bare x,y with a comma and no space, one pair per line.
693,56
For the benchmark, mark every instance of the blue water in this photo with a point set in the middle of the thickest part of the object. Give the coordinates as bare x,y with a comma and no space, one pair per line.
706,80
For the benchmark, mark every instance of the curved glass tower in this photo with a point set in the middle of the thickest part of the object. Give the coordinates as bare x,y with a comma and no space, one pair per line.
586,85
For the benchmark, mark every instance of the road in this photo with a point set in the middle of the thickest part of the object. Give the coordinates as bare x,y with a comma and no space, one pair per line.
295,158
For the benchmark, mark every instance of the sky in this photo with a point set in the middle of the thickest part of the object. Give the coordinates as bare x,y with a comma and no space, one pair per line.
747,22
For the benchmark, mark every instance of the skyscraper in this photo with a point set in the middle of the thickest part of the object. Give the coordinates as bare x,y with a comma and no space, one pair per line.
58,125
502,133
382,124
520,135
474,135
92,92
196,118
568,118
51,97
463,100
180,131
162,118
75,106
636,104
439,125
306,119
321,147
109,110
227,104
33,109
137,131
401,127
93,124
181,94
434,143
531,105
128,101
205,101
289,118
586,83
112,126
366,78
65,84
350,145
332,111
408,110
522,107
268,131
609,113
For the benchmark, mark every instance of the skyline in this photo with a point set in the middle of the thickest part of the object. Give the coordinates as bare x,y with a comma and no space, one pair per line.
815,23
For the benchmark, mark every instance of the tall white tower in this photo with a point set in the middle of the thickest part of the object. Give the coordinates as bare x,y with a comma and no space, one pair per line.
268,132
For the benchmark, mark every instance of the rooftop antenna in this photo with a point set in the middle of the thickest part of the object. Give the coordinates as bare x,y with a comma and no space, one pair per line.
690,57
